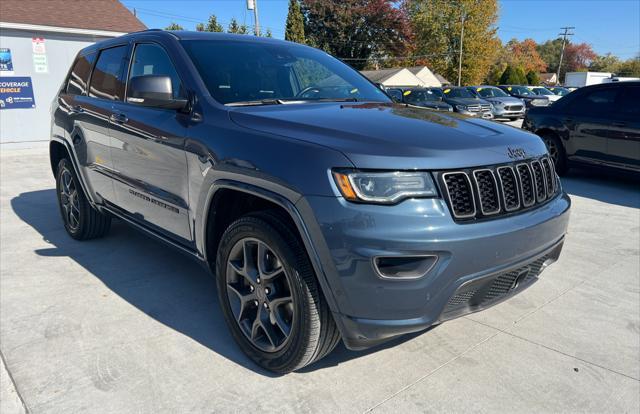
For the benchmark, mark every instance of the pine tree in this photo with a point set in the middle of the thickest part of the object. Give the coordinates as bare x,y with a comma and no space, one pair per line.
234,27
174,26
294,29
268,33
212,25
533,78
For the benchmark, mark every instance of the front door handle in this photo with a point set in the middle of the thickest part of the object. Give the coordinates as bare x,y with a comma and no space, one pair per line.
76,109
119,118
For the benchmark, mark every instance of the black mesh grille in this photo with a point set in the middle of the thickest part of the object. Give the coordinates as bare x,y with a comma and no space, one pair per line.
538,177
460,194
526,183
509,188
487,191
549,175
498,190
483,291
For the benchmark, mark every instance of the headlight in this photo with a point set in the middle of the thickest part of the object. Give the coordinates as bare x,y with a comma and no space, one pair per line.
450,109
384,187
461,107
538,102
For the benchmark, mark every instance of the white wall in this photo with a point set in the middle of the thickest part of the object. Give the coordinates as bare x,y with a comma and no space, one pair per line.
31,125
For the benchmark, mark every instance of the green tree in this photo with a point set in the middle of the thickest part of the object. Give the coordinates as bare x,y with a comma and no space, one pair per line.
355,30
294,28
437,28
268,33
630,68
513,76
234,27
533,78
174,26
211,26
605,63
521,76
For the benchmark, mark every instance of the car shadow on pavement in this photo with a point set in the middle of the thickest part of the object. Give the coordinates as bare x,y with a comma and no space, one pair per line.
157,279
602,185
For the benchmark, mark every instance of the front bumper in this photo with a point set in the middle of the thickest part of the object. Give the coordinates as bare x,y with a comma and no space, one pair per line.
370,309
501,112
478,114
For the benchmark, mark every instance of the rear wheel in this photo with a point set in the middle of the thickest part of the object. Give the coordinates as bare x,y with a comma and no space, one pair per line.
556,152
80,219
270,296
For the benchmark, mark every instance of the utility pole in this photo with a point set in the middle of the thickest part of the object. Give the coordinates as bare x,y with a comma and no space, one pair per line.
564,41
253,5
461,40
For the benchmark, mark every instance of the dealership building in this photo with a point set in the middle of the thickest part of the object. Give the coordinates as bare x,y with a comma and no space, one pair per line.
39,40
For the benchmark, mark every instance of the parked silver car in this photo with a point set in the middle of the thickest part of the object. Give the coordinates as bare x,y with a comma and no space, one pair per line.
504,106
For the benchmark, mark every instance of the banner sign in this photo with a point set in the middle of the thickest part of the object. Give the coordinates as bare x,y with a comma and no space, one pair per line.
6,63
16,92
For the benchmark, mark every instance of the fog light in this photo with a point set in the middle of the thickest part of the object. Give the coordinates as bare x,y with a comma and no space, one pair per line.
404,267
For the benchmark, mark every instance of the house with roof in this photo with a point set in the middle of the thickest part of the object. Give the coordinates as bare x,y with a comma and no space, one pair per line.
39,40
395,77
549,79
425,75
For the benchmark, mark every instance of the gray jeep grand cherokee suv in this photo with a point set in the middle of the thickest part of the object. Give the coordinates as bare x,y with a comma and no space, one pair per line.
325,210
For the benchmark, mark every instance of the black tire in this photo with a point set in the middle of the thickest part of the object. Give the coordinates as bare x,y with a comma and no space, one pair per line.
556,152
313,333
81,220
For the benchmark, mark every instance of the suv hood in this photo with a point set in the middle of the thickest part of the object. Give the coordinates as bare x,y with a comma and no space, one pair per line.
392,136
508,100
433,104
465,101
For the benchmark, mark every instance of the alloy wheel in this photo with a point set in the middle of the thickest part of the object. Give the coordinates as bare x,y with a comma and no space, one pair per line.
260,296
69,200
554,151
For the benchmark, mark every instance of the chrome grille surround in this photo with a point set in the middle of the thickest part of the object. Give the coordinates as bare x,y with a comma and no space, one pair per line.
494,191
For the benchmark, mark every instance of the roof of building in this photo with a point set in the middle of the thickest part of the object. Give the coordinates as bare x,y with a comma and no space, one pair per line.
107,15
441,79
380,75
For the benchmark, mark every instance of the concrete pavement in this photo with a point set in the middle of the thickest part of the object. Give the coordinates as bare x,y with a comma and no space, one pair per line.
125,324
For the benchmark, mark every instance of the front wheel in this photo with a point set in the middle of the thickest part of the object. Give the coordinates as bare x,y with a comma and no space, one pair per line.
556,152
80,219
270,296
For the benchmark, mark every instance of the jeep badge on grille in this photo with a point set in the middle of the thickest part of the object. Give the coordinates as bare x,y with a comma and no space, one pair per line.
515,153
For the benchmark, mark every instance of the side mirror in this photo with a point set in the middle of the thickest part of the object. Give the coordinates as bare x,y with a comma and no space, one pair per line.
154,91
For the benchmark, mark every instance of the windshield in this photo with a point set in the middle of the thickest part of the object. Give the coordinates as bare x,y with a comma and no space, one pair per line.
243,72
520,90
542,91
420,95
491,92
459,93
560,91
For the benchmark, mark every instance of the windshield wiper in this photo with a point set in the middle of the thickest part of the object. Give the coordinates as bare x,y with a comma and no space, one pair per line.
321,99
256,102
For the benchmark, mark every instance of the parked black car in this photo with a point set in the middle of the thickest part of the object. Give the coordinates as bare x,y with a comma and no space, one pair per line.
531,100
595,125
467,103
426,97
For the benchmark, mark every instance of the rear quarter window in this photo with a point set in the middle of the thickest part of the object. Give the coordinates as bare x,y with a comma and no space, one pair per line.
79,76
107,81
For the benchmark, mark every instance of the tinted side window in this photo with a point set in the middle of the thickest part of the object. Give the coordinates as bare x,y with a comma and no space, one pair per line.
77,83
628,105
598,102
150,59
107,80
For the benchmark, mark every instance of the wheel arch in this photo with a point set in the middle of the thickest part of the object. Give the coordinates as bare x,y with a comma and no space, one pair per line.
232,192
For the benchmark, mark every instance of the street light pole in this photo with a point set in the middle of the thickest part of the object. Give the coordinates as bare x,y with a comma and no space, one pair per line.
460,58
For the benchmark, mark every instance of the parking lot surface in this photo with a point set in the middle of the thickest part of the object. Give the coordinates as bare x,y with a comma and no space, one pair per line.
126,324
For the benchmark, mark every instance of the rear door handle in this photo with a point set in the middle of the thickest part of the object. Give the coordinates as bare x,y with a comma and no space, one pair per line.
119,118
